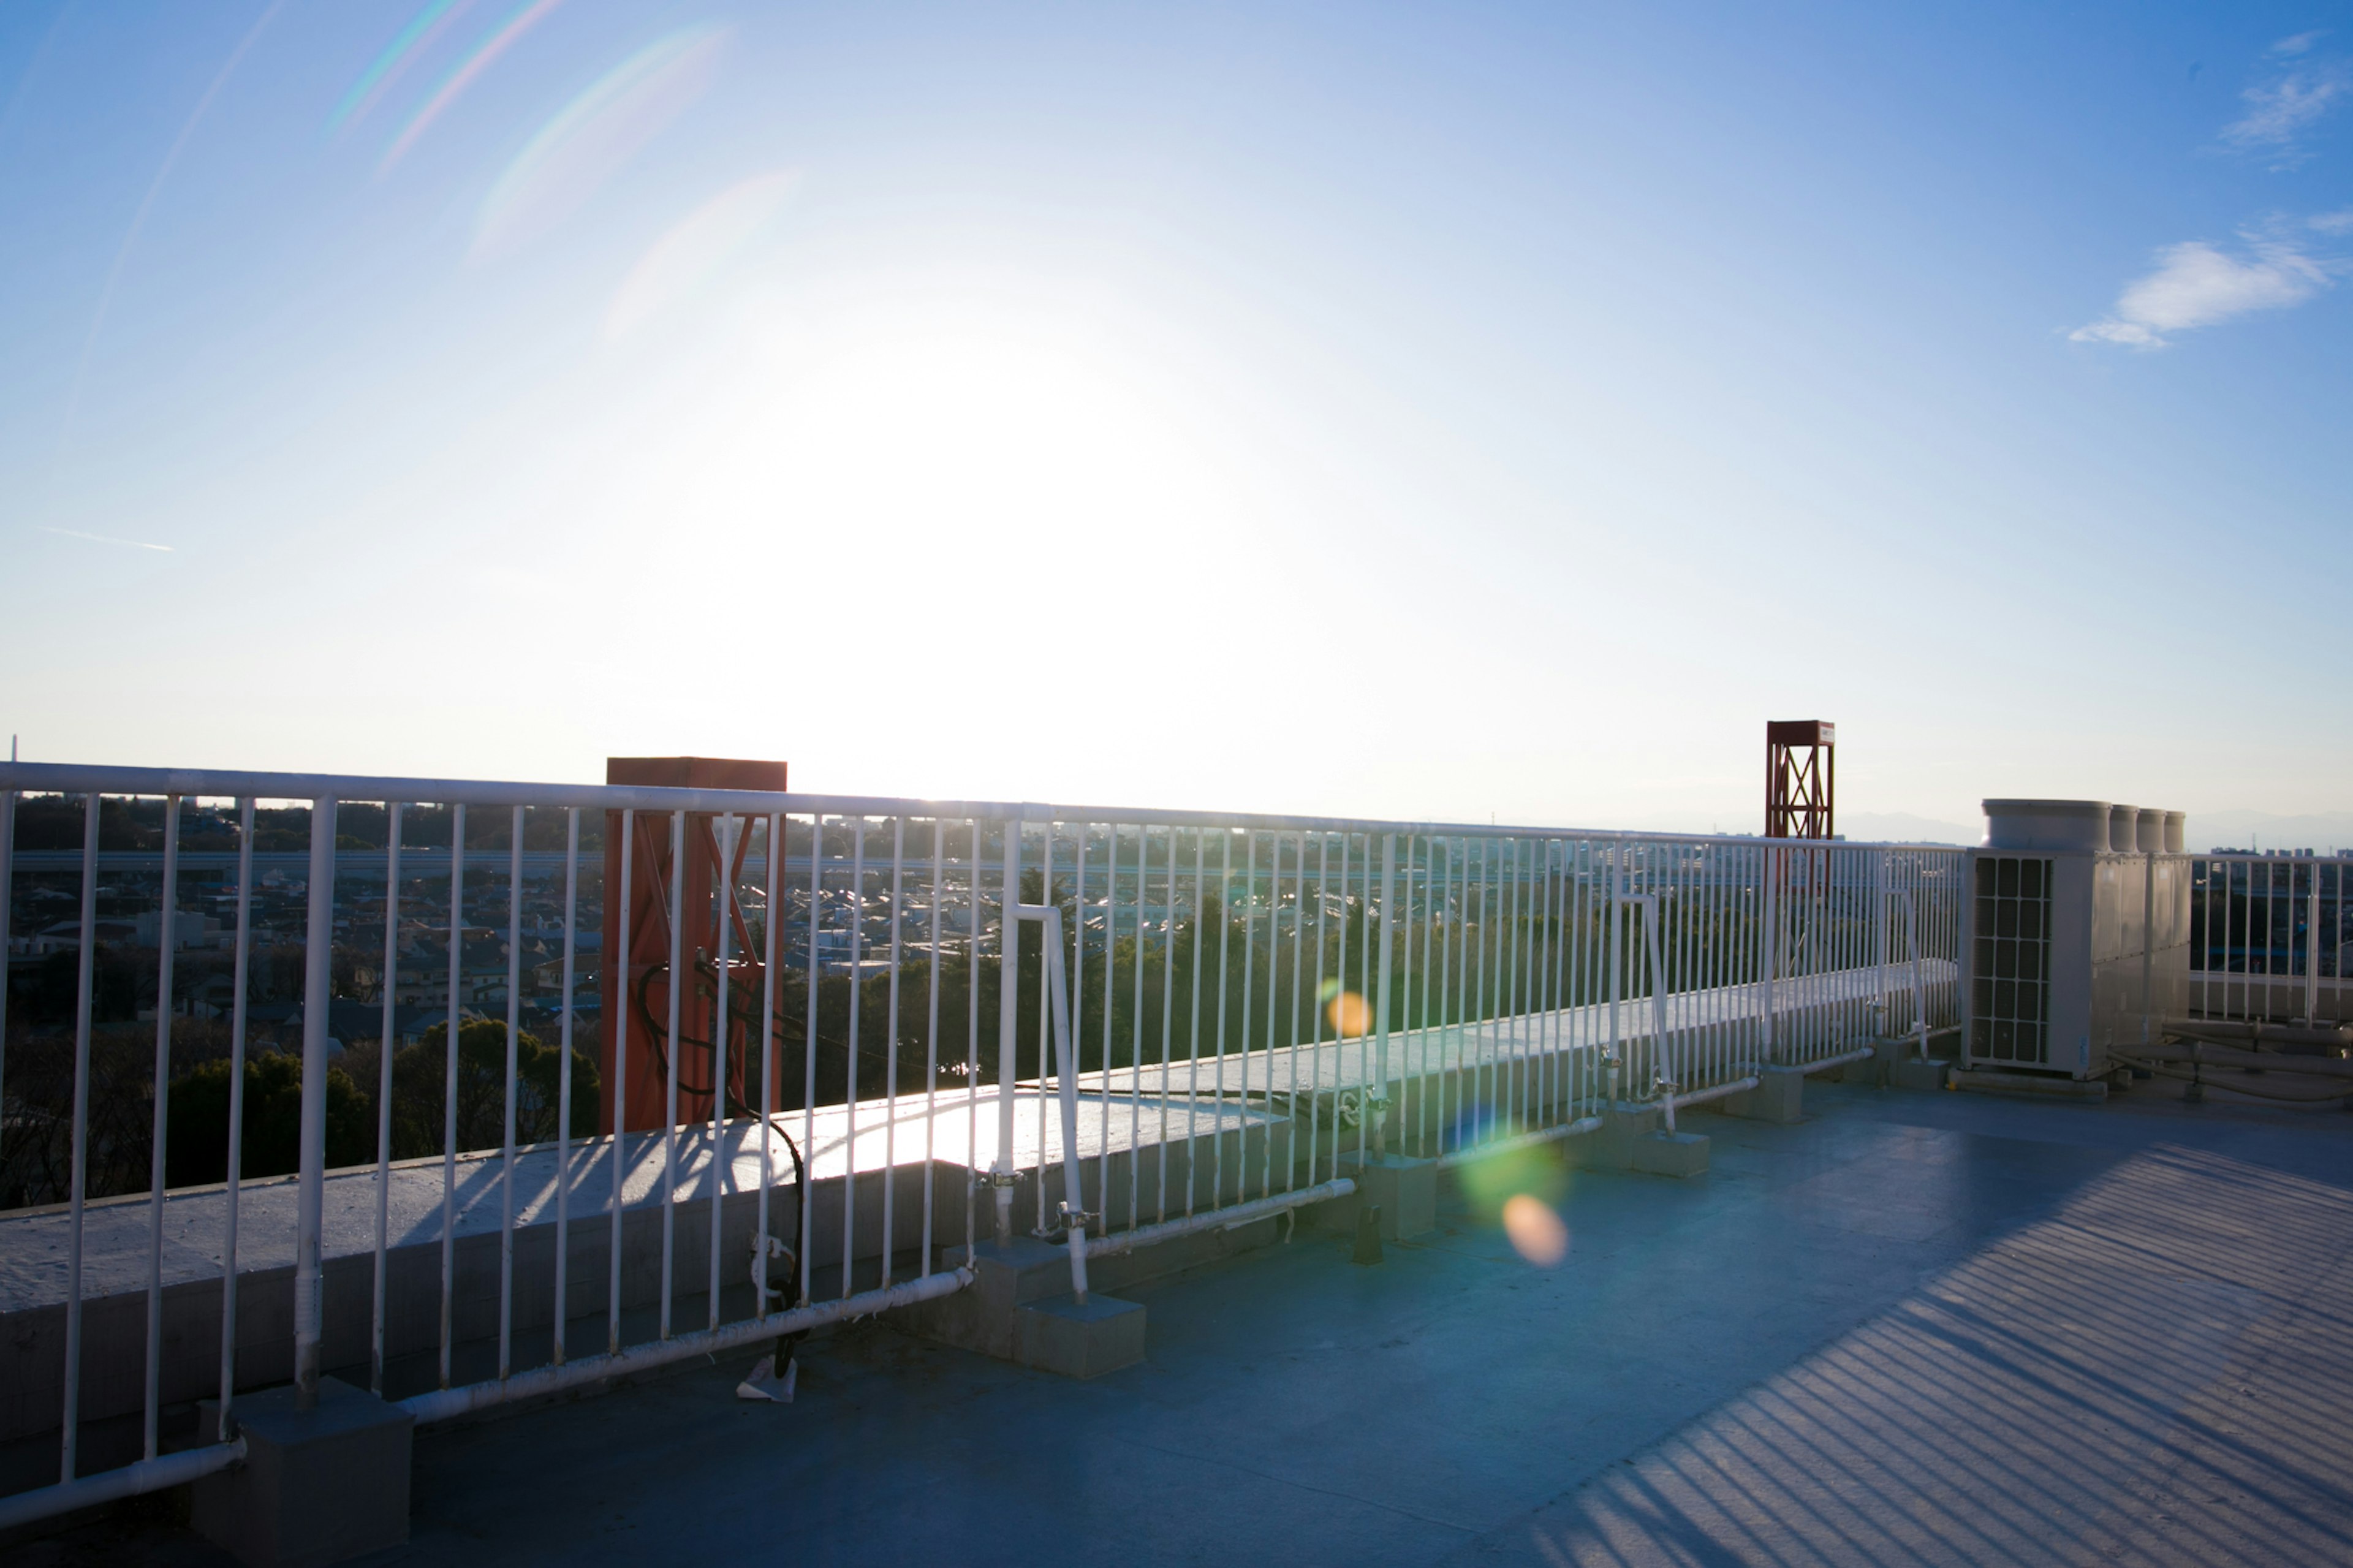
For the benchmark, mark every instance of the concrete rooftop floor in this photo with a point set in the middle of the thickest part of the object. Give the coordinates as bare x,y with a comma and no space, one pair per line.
1915,1329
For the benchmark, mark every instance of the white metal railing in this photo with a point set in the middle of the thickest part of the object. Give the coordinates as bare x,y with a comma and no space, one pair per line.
1224,1014
2268,937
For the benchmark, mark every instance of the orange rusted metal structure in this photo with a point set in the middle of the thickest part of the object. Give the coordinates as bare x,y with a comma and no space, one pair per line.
636,970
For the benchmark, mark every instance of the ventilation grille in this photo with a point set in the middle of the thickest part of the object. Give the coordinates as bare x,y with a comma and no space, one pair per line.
2010,1021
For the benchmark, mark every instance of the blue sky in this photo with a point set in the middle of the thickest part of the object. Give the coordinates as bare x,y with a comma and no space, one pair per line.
1433,412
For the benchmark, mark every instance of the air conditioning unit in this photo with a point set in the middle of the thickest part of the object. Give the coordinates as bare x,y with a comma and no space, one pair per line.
2077,934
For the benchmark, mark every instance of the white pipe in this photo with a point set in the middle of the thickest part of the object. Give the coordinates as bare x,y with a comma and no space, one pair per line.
1577,1129
112,1486
1128,1241
1843,1059
1702,1096
1066,1064
444,1404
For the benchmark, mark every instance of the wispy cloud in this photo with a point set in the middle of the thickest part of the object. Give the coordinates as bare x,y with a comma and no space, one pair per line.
103,539
2279,110
2198,284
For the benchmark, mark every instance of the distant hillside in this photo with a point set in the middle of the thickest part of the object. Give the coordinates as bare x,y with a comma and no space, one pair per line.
2326,831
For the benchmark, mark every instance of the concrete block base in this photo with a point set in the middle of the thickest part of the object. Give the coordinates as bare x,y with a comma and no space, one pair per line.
1917,1075
318,1486
1405,1190
1633,1140
1078,1339
1670,1155
1019,1308
1780,1097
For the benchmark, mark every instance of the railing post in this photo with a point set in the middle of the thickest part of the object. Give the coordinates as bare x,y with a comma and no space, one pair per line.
318,980
1617,967
7,893
1879,919
1008,1006
1769,946
1075,1217
1379,1109
2312,942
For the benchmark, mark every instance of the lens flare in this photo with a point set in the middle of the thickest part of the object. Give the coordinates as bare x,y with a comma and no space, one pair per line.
697,248
399,55
1535,1232
484,55
1349,1014
591,137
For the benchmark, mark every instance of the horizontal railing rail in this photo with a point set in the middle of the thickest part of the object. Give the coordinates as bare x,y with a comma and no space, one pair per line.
605,1077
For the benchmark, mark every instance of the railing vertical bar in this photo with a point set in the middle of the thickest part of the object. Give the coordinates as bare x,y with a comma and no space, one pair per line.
1134,1047
1079,974
1519,980
1388,933
1463,1009
8,897
450,1086
1250,973
1193,1016
507,1125
772,916
723,1025
1110,996
1316,1008
1167,1023
1417,985
1008,1023
1450,1084
809,1045
890,1062
1490,1051
167,939
1559,1092
932,1035
676,983
618,966
850,1077
1225,929
1360,918
1048,1065
1298,966
318,988
240,967
971,1055
84,980
385,1040
2312,944
564,1083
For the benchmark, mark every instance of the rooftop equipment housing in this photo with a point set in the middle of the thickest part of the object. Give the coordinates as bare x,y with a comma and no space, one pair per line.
2078,938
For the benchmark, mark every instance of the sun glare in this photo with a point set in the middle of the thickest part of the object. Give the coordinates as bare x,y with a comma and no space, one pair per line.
1535,1231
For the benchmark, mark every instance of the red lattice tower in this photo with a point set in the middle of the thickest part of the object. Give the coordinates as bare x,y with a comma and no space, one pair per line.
1801,777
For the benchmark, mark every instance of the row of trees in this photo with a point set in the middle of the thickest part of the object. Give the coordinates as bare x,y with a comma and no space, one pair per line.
57,822
35,1143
